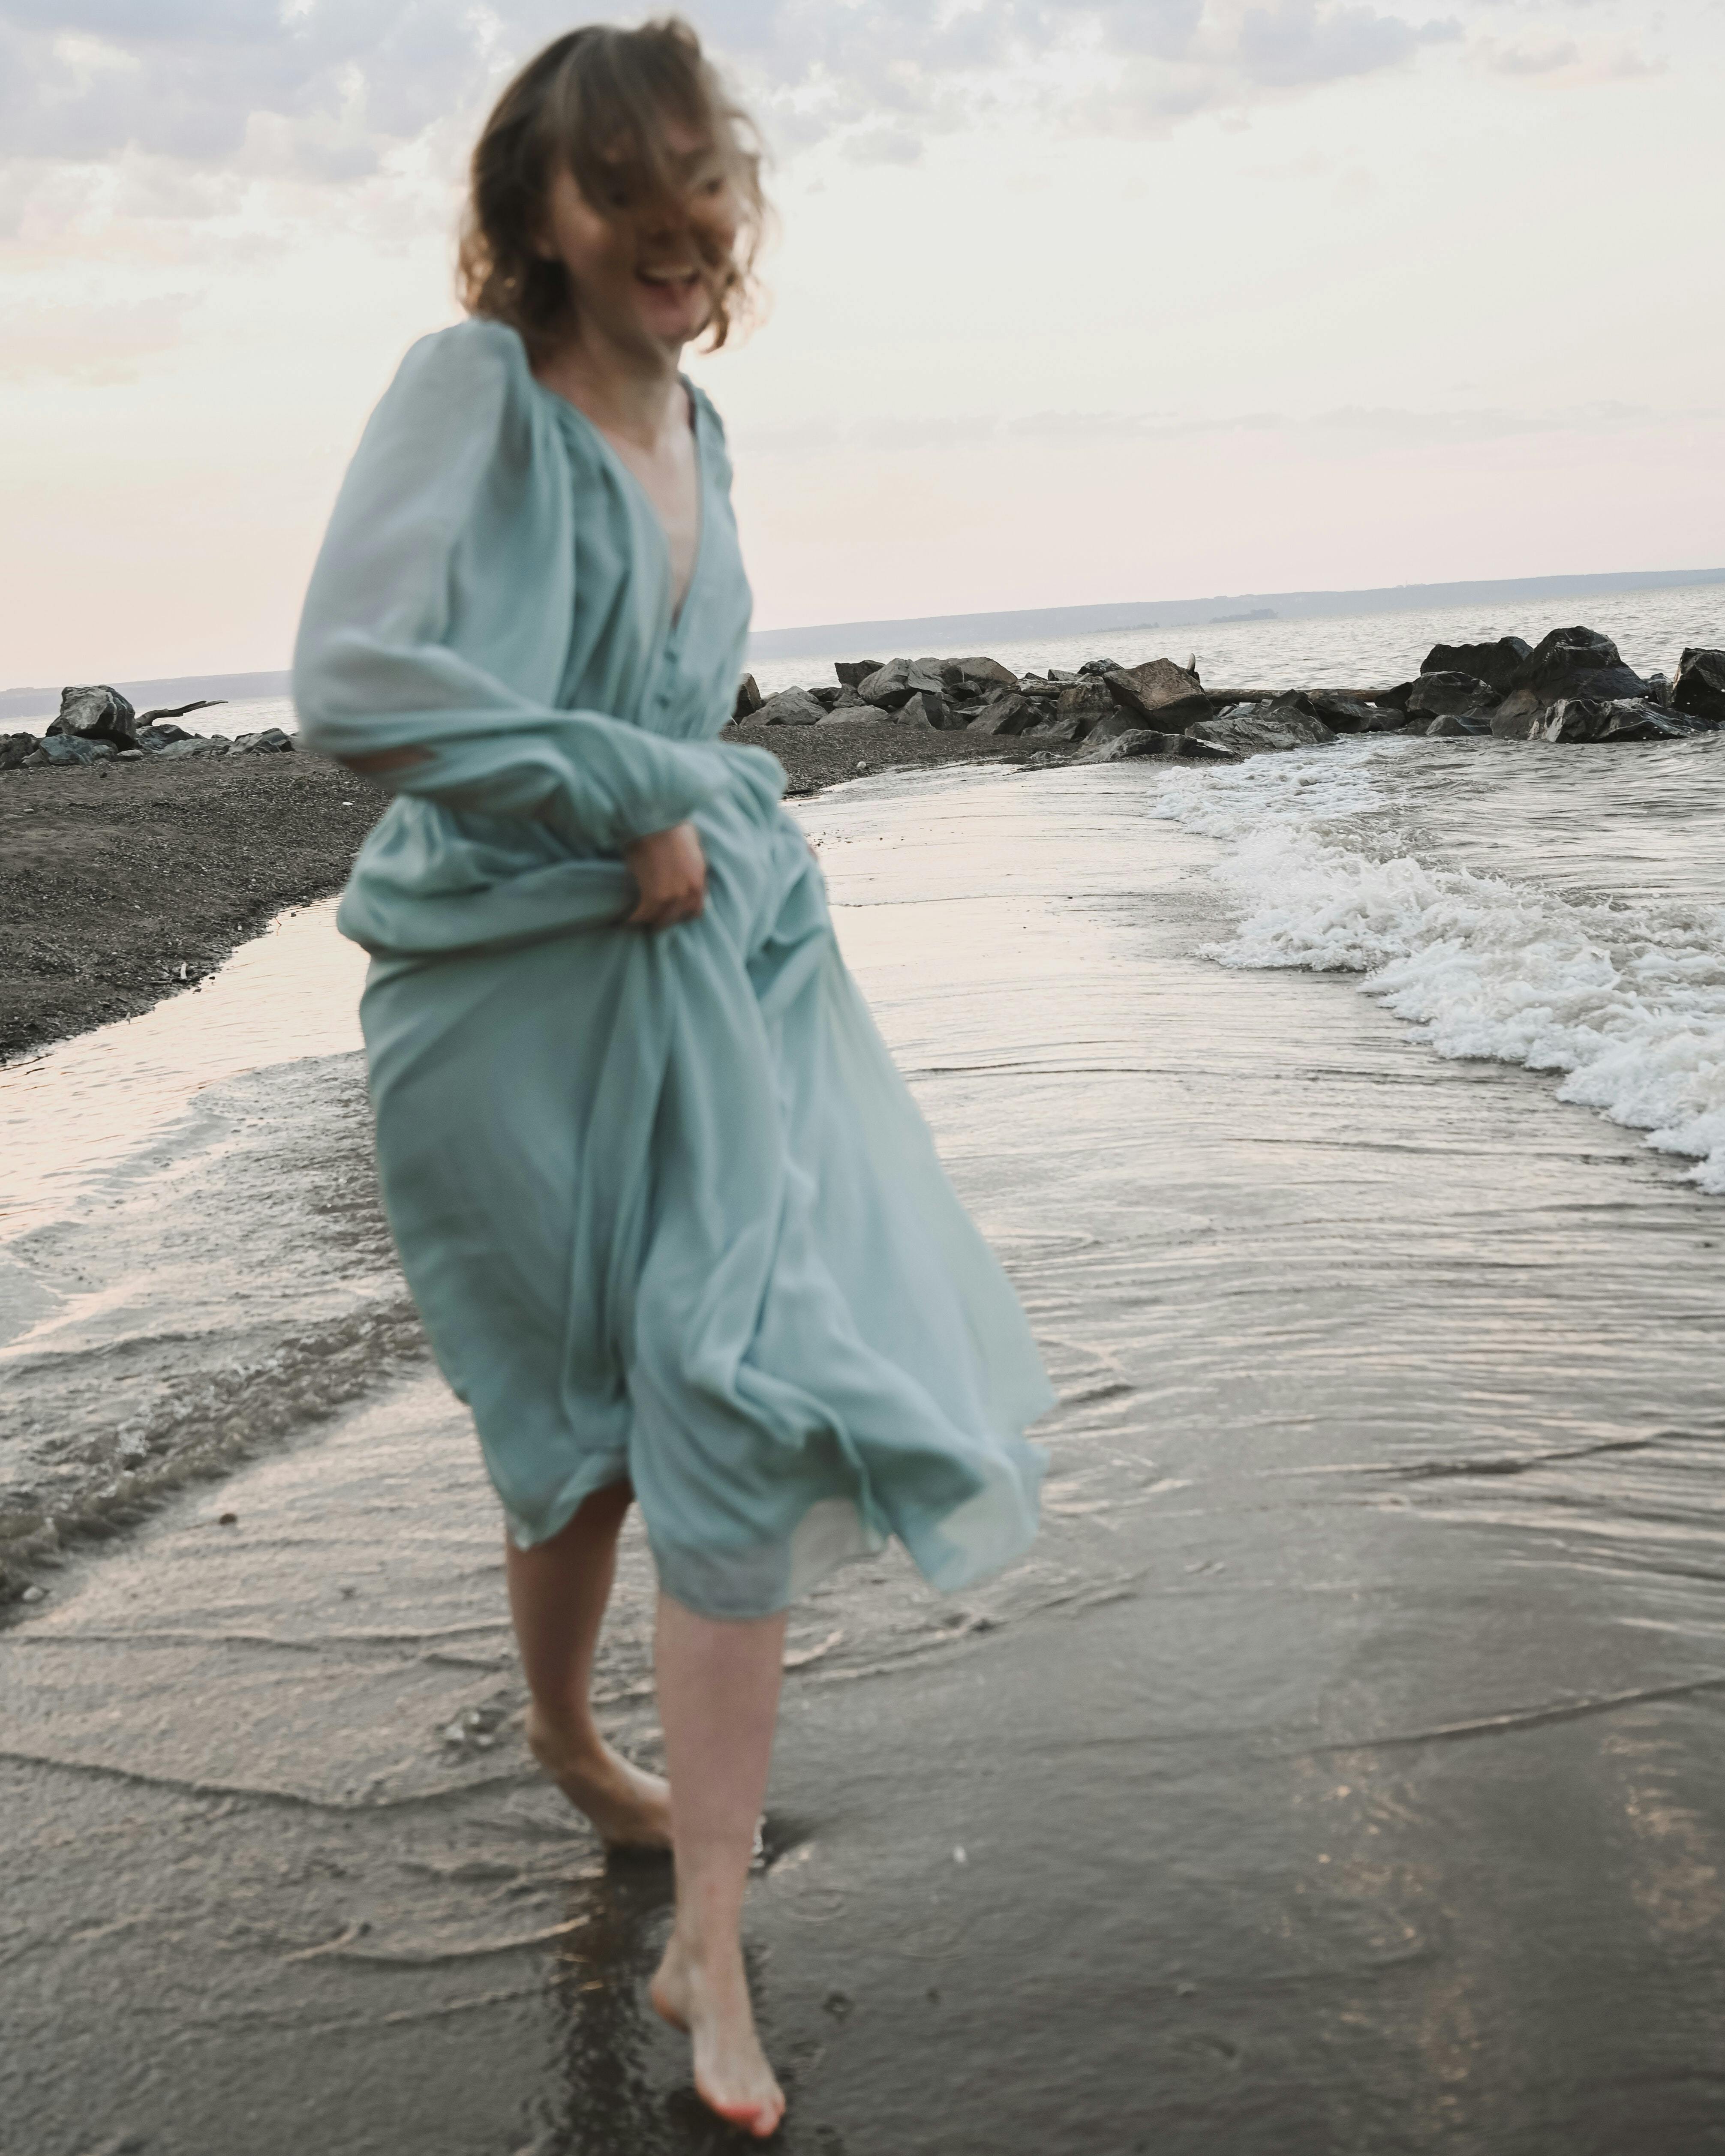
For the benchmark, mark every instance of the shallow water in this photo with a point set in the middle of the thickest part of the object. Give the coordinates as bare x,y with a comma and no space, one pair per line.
1339,1774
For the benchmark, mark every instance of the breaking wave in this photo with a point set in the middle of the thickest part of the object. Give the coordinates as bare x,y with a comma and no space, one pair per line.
1345,860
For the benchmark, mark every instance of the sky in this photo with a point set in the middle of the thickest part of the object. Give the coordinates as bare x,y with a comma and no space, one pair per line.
1069,303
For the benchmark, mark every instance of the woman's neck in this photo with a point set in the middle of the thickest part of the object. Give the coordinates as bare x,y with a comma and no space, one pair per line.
635,393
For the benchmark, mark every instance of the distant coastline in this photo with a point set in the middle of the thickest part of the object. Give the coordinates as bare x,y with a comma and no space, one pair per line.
957,633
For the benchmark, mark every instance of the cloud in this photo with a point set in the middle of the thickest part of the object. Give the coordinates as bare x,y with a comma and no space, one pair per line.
325,89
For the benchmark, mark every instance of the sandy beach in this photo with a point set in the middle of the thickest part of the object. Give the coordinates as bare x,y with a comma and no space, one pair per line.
122,885
1335,1776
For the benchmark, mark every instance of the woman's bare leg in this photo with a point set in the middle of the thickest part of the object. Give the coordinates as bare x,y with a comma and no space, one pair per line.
558,1592
718,1698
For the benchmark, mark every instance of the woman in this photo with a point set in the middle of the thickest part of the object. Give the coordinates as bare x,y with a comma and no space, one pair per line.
677,1232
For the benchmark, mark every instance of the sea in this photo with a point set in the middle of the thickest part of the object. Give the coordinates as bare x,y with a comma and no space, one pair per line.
1352,1122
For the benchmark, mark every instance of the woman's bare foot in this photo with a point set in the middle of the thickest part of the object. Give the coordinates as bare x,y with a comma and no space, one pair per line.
711,2002
628,1808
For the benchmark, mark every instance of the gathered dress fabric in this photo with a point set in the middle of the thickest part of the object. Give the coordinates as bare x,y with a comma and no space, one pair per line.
666,1207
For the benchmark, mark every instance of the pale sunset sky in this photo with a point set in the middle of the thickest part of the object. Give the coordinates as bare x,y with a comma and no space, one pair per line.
1069,303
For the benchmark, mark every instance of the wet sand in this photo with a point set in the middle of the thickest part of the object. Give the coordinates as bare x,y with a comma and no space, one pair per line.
126,883
1339,1774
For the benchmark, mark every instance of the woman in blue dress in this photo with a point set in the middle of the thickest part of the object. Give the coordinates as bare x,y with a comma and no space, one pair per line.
678,1233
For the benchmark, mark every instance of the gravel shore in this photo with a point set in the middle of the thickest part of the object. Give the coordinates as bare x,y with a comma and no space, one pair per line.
124,883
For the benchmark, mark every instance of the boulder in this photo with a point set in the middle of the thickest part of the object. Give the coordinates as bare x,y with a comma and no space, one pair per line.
270,742
72,748
891,686
1150,741
195,745
1394,698
851,671
981,677
1088,701
749,698
1699,689
925,708
826,696
1451,724
1452,696
159,736
1115,725
1495,663
1006,713
1577,662
1148,689
1098,666
790,707
847,700
1250,729
1517,725
1061,726
96,714
1344,715
14,748
1612,718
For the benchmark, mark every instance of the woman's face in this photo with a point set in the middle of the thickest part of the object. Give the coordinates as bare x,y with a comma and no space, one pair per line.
644,274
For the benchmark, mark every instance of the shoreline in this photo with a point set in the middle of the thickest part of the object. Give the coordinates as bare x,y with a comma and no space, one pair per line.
115,877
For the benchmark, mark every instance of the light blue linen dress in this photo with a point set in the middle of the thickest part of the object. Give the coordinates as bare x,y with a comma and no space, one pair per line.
664,1204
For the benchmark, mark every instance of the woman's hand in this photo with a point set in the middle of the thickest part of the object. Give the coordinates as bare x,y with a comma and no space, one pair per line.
670,870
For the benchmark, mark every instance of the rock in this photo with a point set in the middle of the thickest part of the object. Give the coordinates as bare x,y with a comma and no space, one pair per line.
270,742
852,671
1062,726
1612,718
826,697
847,700
1186,712
891,686
857,714
749,698
1088,701
96,714
1115,725
159,736
14,748
925,708
195,745
790,707
1517,725
982,676
1495,663
1699,689
1250,729
1452,696
1450,723
1393,698
1344,715
1098,666
136,755
1148,689
1577,664
1006,714
72,748
1129,743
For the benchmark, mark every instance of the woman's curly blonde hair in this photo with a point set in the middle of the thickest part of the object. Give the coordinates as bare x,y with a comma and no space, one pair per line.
597,100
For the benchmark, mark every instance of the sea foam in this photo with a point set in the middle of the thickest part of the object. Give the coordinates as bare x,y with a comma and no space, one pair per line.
1623,996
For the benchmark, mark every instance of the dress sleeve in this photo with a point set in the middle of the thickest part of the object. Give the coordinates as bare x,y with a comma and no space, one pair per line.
443,514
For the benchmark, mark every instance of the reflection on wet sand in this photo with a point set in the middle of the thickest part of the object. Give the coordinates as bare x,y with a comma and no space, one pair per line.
1339,1775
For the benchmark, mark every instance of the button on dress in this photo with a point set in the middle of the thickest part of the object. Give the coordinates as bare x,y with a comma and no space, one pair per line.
664,1204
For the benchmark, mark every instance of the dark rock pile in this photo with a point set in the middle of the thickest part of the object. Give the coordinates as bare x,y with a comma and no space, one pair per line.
1572,686
97,725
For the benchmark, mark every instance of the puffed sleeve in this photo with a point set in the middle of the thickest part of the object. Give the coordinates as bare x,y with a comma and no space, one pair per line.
445,519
